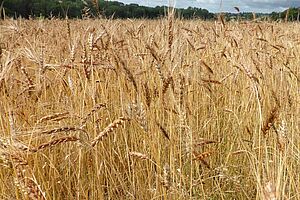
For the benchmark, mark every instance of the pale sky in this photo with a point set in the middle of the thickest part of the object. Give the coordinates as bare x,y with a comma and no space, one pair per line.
265,6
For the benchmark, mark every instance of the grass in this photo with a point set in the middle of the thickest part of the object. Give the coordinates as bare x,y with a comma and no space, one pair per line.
149,109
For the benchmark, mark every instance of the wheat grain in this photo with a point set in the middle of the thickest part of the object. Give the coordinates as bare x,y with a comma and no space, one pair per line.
270,120
57,141
62,129
270,191
95,109
138,155
52,117
111,127
166,176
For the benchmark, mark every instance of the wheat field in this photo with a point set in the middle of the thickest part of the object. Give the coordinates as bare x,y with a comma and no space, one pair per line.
149,109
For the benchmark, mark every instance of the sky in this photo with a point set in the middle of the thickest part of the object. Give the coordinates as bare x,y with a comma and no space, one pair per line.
264,6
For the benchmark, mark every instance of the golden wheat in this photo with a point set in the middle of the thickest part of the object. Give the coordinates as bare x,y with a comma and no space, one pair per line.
208,95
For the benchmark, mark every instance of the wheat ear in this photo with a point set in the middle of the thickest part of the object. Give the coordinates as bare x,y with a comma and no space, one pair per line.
52,117
57,141
112,126
270,120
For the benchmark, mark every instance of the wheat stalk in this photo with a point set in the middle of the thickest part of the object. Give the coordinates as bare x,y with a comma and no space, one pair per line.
147,95
139,155
52,117
205,142
166,181
96,108
56,142
270,120
282,138
28,78
28,186
14,158
62,129
202,156
111,127
163,130
270,191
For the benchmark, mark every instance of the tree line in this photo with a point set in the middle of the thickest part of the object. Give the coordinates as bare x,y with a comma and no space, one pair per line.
291,14
103,8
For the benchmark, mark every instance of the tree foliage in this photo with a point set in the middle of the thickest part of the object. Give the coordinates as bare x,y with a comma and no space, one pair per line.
78,9
290,14
104,8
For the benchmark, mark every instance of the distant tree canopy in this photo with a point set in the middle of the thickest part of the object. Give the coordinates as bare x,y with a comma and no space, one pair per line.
104,8
292,14
81,8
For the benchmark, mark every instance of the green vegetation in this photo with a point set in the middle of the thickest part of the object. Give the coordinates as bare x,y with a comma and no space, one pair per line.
107,9
79,9
293,14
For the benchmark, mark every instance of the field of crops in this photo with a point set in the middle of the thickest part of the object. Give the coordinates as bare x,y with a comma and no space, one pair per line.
149,109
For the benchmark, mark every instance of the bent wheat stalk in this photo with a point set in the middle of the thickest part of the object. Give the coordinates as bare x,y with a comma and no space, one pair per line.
62,129
57,141
96,108
52,117
112,126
